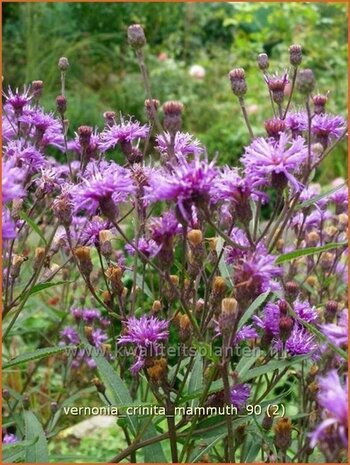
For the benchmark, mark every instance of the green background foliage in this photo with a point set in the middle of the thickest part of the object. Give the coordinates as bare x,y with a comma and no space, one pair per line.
219,36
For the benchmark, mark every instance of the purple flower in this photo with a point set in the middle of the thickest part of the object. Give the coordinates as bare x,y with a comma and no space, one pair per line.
147,247
230,186
105,185
233,253
326,127
333,398
98,337
341,196
239,395
188,184
49,181
25,155
9,438
305,311
8,225
17,100
91,230
245,333
91,151
300,342
91,314
270,320
69,335
41,121
267,160
337,333
164,228
297,122
145,333
119,133
12,179
254,273
184,144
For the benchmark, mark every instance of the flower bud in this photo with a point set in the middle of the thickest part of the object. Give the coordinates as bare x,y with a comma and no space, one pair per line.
285,325
312,239
295,55
228,306
83,256
174,279
274,127
173,116
326,261
54,407
61,104
114,274
156,306
136,36
158,371
227,316
277,85
84,133
185,328
267,422
342,222
292,289
109,117
238,81
305,81
319,102
37,89
63,64
151,107
38,257
263,61
25,402
330,311
62,208
283,434
312,280
195,237
99,385
17,261
6,393
219,285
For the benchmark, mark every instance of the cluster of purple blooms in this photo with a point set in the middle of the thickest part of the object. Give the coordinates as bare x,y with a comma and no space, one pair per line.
89,194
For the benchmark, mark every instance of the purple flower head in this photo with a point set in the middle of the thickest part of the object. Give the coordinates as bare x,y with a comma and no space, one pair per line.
184,144
8,225
255,273
233,253
230,186
165,227
245,333
333,398
146,334
92,149
17,100
276,82
49,181
188,184
90,231
239,395
127,131
300,342
337,333
9,438
340,197
270,319
69,335
305,311
25,155
41,121
327,127
269,161
297,123
105,185
12,179
147,247
98,337
91,314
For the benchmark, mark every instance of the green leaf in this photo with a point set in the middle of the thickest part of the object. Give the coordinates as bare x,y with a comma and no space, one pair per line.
196,380
34,226
252,307
117,390
246,362
253,446
36,355
41,286
154,452
287,257
318,197
224,271
37,452
271,366
199,451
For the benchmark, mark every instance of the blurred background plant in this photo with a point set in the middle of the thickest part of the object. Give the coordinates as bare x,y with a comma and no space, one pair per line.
191,47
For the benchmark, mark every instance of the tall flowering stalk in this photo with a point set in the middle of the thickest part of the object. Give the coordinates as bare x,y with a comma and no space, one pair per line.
177,282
